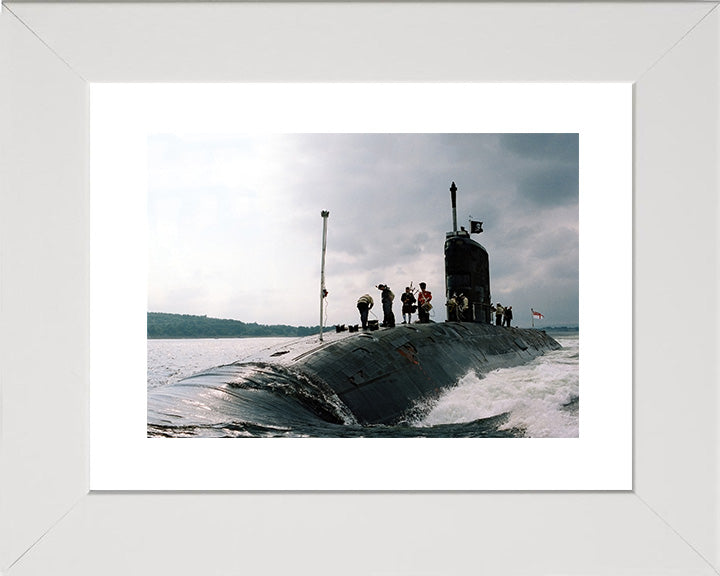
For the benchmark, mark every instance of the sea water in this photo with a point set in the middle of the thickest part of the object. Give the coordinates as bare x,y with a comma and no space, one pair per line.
537,400
541,398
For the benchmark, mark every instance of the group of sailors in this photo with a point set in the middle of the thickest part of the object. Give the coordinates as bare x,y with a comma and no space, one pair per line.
458,307
410,304
458,310
503,315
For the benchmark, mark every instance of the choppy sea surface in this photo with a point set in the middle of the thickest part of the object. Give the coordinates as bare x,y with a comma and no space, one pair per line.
537,400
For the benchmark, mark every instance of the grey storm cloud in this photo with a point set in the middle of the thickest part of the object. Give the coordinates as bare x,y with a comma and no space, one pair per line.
251,205
547,166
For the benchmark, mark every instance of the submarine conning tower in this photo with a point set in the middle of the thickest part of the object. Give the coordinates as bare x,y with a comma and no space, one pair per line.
467,269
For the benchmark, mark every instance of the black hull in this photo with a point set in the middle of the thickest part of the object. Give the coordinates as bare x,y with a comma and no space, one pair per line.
381,375
378,377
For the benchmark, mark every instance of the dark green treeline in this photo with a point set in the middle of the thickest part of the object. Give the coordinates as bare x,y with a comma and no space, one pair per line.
162,325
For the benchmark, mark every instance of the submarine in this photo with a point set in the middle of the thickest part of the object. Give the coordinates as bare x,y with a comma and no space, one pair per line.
380,376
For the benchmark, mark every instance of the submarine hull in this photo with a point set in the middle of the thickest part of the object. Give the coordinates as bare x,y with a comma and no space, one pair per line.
379,377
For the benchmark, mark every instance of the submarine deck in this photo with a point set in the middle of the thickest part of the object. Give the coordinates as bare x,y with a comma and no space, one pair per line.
386,376
380,375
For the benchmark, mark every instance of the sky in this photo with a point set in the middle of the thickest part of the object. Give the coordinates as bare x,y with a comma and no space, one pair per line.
235,226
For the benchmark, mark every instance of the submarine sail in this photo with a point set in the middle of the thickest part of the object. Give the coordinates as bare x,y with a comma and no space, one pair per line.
467,269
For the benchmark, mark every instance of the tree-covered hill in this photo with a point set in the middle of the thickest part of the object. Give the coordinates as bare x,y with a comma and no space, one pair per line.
162,325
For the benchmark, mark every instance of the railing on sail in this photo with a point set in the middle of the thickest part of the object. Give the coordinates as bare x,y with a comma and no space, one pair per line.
323,292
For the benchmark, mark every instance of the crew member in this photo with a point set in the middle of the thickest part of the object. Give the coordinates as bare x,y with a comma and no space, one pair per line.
463,305
424,306
508,316
364,303
452,308
499,311
408,305
387,298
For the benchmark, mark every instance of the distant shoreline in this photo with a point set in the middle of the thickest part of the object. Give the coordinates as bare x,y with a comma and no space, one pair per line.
165,326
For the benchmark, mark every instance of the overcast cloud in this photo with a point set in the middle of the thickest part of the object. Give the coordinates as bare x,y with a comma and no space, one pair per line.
235,226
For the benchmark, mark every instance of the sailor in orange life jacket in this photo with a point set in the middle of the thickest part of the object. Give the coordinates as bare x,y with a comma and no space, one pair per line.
424,306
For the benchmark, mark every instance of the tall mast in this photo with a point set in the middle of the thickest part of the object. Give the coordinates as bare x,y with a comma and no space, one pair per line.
323,293
453,189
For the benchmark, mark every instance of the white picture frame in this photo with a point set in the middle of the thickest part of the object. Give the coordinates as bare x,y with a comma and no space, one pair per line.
668,523
124,119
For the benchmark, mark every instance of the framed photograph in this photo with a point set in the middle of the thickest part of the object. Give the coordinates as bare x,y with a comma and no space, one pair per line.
639,481
560,134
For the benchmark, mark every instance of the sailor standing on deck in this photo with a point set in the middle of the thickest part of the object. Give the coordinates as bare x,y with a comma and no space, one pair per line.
463,305
499,311
508,316
408,305
364,303
452,308
387,300
424,306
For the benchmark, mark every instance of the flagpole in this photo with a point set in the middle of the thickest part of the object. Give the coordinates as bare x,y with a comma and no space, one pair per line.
324,215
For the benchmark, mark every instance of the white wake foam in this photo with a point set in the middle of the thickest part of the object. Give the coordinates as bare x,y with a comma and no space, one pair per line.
534,395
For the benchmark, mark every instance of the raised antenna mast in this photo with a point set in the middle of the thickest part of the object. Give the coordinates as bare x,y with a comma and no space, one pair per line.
453,189
323,292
